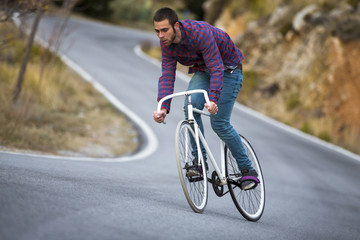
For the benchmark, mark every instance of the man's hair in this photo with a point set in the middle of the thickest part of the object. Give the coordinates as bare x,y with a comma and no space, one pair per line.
166,13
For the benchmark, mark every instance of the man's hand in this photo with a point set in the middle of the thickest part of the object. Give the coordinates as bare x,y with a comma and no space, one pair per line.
160,116
212,107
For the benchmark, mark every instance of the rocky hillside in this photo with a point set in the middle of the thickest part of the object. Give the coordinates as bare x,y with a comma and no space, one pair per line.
302,66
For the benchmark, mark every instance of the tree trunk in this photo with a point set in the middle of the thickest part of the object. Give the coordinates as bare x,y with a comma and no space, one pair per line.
24,63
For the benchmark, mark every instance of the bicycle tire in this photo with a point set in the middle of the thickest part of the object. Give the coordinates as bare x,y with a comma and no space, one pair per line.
250,203
195,189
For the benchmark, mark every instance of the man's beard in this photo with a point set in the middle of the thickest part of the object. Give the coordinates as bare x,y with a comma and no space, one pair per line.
172,38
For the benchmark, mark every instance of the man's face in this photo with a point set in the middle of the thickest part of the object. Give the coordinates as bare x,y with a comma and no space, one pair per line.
165,32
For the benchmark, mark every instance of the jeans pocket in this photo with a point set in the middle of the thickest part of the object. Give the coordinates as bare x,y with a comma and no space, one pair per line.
233,82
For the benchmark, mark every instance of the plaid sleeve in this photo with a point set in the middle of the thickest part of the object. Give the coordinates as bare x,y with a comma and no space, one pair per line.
213,61
167,79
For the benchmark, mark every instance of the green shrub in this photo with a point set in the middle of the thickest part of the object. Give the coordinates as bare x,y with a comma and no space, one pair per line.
292,101
306,128
324,136
251,79
250,83
131,10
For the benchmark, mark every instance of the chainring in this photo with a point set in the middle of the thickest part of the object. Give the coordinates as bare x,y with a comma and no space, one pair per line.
215,180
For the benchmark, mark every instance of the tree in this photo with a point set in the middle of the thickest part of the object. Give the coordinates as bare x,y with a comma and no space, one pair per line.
9,7
20,80
22,8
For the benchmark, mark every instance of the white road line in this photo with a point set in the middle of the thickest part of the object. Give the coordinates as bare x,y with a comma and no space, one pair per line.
258,115
152,141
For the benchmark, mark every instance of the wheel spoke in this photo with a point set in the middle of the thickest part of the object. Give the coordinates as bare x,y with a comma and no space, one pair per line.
195,191
250,203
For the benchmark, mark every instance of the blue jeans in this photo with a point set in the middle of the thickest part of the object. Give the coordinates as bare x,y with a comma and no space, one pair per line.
220,122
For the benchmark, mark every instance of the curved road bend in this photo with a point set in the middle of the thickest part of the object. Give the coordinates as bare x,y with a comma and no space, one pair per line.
312,191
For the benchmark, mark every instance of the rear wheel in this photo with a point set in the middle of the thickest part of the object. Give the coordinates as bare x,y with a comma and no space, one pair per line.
250,203
194,187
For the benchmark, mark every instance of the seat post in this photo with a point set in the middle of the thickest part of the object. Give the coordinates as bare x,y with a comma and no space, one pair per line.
190,109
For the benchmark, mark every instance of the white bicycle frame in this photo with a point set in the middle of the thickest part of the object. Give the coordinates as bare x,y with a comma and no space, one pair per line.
198,135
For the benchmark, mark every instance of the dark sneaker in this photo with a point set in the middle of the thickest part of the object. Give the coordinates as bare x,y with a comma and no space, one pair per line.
193,172
194,169
249,179
206,164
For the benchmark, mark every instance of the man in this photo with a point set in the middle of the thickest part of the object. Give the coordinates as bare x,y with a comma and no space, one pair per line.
217,66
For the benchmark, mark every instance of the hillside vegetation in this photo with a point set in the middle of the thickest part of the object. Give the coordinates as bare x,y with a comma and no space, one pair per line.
57,112
302,65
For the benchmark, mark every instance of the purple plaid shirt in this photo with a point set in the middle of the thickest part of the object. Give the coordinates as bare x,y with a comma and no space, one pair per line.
202,47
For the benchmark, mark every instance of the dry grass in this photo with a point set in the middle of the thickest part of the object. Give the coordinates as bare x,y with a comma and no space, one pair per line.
58,113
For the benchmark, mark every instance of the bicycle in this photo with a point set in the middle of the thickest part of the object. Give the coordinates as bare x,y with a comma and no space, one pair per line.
250,203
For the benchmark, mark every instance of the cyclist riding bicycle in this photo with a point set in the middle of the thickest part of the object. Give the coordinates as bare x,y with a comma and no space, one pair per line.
217,66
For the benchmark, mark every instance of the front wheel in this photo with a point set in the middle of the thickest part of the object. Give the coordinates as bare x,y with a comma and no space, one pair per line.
250,203
194,187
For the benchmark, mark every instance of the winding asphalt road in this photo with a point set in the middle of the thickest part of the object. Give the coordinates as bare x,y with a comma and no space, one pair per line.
312,189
